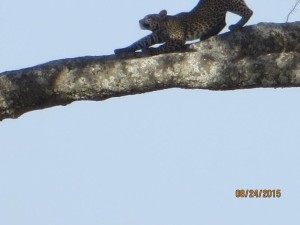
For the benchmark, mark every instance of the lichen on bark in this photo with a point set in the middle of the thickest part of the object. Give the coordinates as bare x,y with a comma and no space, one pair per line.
266,55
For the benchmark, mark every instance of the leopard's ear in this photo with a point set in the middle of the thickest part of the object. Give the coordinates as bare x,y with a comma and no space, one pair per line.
163,13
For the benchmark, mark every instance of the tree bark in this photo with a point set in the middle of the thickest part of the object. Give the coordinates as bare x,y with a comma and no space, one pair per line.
265,55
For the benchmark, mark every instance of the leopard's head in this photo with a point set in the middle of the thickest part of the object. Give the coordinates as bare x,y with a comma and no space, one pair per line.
153,22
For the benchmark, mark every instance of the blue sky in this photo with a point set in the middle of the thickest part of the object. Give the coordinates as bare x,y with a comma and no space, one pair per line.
166,158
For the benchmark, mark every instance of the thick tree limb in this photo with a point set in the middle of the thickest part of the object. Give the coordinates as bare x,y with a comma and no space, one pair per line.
263,55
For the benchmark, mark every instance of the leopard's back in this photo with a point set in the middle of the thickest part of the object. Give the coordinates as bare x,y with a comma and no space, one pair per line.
208,16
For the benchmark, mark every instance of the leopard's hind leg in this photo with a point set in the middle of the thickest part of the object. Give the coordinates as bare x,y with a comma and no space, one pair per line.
240,8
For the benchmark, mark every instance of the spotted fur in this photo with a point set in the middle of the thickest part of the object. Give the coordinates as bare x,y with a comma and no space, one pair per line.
202,22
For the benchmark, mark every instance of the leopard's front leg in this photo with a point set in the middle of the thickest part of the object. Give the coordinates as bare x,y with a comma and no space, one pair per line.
141,44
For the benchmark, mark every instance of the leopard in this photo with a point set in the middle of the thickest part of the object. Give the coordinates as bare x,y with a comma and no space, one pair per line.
205,20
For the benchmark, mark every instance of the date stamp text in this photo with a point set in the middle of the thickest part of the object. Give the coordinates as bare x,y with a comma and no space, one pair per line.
258,193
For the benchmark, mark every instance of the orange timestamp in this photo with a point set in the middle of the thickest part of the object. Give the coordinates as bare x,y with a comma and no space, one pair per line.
258,193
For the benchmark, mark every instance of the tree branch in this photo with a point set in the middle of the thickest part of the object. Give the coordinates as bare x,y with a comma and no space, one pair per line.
292,10
262,55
